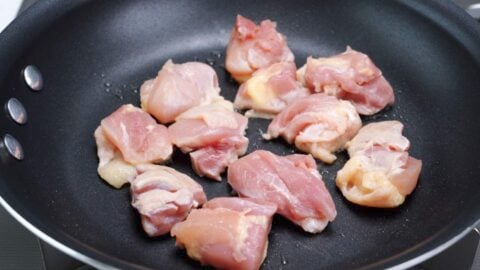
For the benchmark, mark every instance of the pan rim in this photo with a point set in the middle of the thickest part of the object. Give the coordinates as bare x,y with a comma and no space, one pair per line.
51,241
101,265
106,261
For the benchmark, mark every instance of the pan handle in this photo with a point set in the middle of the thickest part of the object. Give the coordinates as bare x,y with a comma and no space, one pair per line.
474,11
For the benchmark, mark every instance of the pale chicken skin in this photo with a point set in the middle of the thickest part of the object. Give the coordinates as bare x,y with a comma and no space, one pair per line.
292,183
126,138
177,88
270,90
252,47
227,233
318,124
111,166
380,172
164,197
351,76
213,134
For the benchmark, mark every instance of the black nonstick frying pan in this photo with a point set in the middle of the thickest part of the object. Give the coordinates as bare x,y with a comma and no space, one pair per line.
94,55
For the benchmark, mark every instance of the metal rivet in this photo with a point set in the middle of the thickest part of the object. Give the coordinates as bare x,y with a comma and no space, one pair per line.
13,146
33,78
16,111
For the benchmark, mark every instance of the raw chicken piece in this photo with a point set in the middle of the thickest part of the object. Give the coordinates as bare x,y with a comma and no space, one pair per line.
127,137
386,134
291,182
164,197
227,233
177,88
215,134
252,47
137,135
211,161
111,166
380,173
270,90
318,124
351,76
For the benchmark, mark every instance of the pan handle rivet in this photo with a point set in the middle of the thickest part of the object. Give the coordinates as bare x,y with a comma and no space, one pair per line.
33,78
13,147
16,111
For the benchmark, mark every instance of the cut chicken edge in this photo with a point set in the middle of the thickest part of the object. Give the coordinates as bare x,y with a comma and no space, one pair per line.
117,172
367,186
111,166
407,180
312,225
166,214
163,197
259,114
241,78
300,74
316,151
211,162
267,136
145,91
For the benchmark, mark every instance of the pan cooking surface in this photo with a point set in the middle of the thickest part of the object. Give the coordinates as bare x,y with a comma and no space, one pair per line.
95,57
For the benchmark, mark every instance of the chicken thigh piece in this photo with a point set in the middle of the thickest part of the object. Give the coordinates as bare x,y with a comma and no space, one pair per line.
213,134
351,76
252,47
227,233
164,197
177,88
126,138
292,183
380,172
270,90
318,124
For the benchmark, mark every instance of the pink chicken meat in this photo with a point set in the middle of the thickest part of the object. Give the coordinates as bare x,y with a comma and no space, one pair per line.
214,136
252,47
164,197
291,182
270,90
126,138
351,76
227,233
318,124
177,88
380,172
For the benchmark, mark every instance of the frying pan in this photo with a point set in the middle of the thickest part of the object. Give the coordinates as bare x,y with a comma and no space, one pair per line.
94,55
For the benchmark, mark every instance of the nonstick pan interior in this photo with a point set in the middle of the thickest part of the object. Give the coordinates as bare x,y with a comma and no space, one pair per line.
94,55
